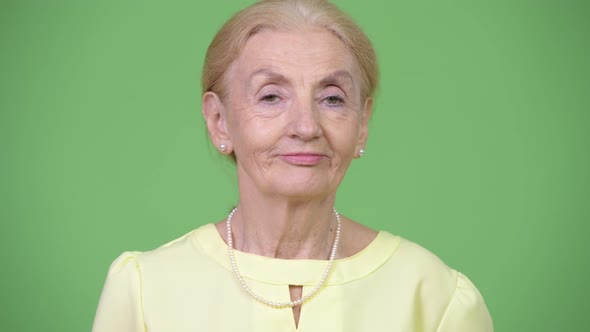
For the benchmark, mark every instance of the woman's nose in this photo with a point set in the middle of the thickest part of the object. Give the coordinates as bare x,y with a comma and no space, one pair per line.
305,122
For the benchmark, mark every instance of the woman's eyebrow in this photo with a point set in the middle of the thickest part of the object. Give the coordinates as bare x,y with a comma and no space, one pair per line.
337,77
269,74
341,78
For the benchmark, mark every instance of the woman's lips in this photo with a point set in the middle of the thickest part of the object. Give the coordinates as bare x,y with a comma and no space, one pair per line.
303,159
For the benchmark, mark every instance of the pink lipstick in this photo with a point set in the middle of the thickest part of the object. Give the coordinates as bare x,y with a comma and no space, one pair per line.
303,159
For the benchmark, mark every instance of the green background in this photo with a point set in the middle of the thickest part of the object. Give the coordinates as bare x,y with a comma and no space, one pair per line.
479,147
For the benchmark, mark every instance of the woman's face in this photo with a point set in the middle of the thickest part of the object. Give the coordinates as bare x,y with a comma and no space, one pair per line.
293,114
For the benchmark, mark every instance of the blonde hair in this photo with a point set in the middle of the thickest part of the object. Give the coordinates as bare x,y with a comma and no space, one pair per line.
286,15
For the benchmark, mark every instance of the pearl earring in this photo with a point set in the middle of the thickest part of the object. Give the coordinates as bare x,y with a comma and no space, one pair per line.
223,147
361,152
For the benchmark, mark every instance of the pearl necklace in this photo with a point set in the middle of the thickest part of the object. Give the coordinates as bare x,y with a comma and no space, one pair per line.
276,304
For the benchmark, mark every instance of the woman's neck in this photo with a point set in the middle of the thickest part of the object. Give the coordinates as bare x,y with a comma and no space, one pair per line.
283,228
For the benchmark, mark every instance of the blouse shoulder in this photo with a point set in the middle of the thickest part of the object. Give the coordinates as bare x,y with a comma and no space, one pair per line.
126,262
445,293
466,310
174,254
120,306
423,264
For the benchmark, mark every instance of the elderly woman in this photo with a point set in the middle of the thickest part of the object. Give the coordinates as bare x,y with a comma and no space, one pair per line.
287,94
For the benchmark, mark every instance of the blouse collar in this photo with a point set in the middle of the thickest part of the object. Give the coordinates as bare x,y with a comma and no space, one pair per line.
305,272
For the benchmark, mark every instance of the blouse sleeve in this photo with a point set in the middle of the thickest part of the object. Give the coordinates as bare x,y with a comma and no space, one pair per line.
120,306
466,312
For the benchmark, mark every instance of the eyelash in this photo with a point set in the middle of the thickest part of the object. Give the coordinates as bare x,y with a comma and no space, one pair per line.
331,101
266,98
339,101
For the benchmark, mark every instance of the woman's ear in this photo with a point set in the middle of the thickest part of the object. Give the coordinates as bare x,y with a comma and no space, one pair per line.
216,120
364,129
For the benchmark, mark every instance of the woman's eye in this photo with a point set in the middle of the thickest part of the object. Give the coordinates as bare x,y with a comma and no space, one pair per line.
334,100
270,98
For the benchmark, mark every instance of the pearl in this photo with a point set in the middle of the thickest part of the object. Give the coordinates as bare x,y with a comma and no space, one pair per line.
276,304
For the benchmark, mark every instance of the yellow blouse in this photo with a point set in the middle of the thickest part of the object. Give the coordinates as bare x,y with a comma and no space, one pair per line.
187,285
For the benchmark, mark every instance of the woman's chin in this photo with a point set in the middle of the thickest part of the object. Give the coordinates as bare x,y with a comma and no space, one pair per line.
302,190
307,183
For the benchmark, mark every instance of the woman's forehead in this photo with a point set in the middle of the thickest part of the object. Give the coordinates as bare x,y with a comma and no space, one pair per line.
311,53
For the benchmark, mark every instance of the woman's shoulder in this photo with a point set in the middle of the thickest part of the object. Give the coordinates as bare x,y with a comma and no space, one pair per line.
359,239
356,237
396,251
410,253
416,261
439,287
178,251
